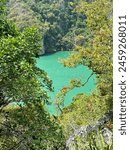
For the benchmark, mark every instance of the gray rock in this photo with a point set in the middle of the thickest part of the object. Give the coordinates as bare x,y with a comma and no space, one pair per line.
107,135
85,130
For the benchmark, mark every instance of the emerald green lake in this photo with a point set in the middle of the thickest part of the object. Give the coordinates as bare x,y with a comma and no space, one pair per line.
62,75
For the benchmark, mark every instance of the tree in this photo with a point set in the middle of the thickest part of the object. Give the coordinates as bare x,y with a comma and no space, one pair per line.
61,24
97,55
24,122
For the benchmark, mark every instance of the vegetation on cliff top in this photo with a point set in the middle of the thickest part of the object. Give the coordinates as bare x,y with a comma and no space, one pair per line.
85,27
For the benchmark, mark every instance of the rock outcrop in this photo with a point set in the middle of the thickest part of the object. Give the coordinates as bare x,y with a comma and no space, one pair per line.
86,130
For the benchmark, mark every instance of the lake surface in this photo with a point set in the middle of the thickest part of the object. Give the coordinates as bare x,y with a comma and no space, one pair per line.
62,75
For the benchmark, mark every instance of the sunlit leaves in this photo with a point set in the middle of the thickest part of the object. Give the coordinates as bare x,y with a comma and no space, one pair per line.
97,55
24,122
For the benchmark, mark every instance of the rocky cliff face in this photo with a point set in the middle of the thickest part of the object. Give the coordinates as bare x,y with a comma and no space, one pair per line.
84,131
21,14
42,50
55,19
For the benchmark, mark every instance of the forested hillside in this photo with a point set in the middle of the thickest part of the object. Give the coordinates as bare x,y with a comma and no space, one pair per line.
29,28
62,27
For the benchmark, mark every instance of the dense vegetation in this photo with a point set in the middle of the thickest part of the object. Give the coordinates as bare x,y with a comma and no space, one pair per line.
82,26
26,124
60,25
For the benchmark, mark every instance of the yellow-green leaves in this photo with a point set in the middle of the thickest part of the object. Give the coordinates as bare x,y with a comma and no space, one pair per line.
97,55
24,122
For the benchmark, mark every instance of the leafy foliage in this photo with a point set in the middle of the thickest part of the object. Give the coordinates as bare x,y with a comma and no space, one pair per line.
86,27
24,122
23,16
97,55
58,21
94,141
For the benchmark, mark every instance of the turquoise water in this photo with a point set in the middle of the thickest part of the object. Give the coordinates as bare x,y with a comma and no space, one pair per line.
62,75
